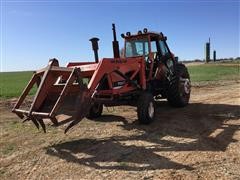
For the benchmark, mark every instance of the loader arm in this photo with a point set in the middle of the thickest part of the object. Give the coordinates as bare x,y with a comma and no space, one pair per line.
115,71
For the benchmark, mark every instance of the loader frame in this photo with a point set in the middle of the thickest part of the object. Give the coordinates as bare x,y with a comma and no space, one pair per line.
49,81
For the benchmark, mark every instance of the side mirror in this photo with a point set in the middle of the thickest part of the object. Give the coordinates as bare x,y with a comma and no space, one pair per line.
176,59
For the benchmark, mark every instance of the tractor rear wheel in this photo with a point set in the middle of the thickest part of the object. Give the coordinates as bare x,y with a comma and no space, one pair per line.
95,111
179,89
146,108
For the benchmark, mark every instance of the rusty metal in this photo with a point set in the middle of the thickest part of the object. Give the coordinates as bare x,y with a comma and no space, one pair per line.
49,77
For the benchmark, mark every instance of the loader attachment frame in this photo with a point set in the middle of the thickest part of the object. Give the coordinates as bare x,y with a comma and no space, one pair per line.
48,81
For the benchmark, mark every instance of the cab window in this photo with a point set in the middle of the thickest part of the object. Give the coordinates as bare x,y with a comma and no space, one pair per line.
163,48
153,46
137,48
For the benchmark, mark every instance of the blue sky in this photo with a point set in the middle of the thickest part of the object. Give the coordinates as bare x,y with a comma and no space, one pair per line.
34,31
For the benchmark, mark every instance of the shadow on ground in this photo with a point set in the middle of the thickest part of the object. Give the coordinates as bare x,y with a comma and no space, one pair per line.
197,127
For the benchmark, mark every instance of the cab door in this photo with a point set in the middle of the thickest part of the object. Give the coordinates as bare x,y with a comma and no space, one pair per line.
167,57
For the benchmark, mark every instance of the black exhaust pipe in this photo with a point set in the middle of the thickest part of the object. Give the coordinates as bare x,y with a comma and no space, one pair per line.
94,42
115,44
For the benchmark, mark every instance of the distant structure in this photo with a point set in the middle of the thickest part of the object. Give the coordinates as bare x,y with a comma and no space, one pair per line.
207,51
214,55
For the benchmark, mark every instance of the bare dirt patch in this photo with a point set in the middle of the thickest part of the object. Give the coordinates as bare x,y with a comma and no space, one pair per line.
200,141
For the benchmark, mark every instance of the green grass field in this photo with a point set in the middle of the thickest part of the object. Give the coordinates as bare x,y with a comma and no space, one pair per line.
12,83
214,72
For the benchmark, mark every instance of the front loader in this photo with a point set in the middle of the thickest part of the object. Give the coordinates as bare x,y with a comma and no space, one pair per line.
145,72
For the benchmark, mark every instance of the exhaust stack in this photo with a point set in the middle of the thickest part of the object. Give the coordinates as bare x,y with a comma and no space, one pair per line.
115,43
94,42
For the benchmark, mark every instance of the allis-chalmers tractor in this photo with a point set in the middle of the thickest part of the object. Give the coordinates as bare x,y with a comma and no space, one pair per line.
145,72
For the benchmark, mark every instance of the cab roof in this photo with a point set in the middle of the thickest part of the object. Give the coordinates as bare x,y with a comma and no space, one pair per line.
139,35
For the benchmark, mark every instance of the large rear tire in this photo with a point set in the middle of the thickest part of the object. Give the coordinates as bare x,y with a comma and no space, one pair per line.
146,108
179,90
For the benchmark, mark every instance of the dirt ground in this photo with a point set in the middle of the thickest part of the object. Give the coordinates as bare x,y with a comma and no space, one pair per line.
200,141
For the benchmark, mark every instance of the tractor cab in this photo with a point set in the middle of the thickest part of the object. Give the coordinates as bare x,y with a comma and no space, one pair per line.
152,46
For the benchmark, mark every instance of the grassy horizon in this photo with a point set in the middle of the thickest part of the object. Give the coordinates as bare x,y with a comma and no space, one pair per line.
13,83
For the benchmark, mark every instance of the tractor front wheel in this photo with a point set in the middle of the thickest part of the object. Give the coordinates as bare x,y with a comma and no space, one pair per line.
95,111
146,108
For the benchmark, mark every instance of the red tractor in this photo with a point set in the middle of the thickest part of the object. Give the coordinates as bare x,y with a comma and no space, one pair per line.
146,71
